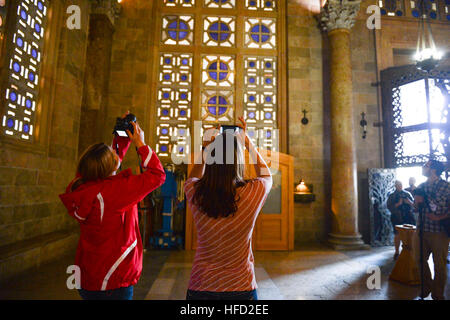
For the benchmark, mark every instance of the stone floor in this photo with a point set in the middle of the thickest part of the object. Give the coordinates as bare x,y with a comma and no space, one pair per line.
305,274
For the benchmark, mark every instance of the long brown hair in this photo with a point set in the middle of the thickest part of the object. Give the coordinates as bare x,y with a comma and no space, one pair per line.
215,192
97,162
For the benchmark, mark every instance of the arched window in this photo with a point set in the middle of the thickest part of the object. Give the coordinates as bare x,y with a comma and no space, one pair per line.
23,64
217,59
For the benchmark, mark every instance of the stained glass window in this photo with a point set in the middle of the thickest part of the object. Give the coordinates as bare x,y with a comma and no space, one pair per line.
24,63
260,33
219,31
178,30
232,69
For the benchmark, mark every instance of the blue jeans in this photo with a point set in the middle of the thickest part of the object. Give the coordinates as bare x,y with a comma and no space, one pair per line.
229,295
125,293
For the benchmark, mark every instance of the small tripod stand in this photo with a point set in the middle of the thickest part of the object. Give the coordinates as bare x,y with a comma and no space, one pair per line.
421,219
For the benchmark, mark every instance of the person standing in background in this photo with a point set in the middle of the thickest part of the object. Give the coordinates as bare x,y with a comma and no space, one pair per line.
433,199
412,186
400,203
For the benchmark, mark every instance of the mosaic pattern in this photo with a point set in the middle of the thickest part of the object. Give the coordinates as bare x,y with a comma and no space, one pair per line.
174,104
260,99
178,30
22,88
263,5
224,4
260,33
219,31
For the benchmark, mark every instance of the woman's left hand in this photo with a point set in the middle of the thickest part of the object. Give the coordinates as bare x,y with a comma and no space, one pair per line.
210,135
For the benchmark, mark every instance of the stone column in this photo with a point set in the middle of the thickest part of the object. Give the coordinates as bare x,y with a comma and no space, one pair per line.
96,78
337,18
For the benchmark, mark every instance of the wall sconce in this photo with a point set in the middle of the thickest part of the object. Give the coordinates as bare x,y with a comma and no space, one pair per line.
305,120
303,192
363,124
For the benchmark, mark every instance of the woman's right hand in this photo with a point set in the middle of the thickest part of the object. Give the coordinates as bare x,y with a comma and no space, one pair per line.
244,135
137,137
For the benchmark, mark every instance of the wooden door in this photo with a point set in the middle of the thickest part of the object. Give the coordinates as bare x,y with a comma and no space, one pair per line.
274,229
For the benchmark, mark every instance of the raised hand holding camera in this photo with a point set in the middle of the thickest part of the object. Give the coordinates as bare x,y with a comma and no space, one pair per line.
125,123
136,135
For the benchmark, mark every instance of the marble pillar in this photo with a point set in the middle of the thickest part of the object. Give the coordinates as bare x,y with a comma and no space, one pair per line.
337,19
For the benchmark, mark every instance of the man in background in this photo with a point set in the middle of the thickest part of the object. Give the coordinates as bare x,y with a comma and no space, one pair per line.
412,186
400,203
432,199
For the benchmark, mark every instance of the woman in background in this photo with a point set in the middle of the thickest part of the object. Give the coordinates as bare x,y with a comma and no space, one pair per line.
225,208
109,252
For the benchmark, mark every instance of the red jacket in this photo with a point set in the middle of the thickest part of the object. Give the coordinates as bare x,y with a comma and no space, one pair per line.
109,251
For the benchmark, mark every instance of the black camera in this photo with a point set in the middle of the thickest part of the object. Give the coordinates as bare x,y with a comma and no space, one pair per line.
123,124
228,128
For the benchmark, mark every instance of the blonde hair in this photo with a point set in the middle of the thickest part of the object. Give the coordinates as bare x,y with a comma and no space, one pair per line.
97,162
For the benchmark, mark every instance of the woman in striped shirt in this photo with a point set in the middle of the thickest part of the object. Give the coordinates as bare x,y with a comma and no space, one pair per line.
225,208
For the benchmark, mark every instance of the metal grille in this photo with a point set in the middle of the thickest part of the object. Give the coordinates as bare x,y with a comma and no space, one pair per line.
416,116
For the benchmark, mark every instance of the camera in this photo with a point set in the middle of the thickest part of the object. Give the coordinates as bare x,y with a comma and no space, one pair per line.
123,124
227,128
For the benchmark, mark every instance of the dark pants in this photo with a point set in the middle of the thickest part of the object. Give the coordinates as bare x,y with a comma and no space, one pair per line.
229,295
114,294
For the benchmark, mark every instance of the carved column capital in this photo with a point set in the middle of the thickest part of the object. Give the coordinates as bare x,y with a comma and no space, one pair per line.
338,14
110,8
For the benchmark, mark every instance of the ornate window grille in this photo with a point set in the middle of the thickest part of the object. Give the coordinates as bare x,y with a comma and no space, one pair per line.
415,116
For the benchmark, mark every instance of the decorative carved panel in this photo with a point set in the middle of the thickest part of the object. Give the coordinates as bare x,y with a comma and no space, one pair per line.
381,185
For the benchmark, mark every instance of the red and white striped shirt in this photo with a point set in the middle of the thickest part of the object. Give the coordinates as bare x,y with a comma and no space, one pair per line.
224,258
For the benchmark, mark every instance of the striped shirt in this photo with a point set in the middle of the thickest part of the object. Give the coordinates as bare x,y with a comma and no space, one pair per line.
224,258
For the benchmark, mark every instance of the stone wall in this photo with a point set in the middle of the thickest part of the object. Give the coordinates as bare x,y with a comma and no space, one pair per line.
131,70
308,144
31,178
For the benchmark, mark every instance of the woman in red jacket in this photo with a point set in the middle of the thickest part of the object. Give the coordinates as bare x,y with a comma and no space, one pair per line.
109,252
